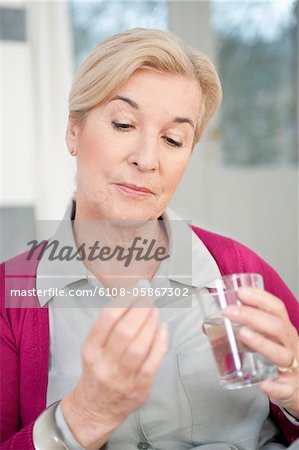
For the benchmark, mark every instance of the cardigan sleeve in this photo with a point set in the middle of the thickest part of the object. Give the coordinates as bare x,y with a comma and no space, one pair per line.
10,437
251,262
9,380
20,440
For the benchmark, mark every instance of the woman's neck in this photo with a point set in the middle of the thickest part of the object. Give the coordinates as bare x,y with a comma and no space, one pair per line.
119,254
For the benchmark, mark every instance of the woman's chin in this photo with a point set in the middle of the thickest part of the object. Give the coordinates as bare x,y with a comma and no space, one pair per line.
132,215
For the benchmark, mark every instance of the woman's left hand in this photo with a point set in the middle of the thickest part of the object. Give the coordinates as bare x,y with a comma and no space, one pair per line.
267,329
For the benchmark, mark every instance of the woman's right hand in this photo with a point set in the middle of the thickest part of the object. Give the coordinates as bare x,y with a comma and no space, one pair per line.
120,358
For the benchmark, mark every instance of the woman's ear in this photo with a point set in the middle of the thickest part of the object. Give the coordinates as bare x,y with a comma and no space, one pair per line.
72,134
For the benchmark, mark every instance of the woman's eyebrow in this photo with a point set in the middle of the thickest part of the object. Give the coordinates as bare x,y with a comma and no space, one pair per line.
126,100
134,105
184,120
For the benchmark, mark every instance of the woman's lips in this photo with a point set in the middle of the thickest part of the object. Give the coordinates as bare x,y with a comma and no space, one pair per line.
138,191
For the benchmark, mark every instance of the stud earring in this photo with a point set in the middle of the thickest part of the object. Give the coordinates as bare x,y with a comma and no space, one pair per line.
73,151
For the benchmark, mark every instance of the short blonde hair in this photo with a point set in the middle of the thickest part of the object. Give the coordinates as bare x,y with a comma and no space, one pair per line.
115,59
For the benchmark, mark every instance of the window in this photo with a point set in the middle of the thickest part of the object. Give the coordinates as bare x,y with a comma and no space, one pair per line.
94,21
258,64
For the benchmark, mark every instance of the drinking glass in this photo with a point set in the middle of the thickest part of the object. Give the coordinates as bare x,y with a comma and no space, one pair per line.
238,365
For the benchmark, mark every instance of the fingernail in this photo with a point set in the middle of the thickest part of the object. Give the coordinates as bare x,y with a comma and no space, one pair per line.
247,333
232,311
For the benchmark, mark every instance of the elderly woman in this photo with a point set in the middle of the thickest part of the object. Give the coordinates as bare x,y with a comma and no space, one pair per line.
137,373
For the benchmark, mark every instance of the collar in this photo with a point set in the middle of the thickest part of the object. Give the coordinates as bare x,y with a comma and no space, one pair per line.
59,273
190,262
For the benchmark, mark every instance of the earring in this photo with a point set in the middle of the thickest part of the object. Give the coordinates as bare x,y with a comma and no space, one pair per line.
73,151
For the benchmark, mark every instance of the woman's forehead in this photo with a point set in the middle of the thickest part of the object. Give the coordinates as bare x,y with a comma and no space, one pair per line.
155,89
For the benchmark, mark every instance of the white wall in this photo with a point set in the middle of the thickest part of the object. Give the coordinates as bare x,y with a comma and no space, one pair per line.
35,80
51,52
259,208
17,136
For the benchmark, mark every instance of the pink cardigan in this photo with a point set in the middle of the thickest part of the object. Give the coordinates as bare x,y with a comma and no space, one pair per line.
25,339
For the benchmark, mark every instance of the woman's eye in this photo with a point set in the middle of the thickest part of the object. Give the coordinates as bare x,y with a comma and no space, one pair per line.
121,126
172,142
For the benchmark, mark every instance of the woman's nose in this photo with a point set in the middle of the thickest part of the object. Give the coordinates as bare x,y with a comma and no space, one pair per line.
145,155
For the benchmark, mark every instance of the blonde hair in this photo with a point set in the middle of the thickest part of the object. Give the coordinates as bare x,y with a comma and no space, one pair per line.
115,59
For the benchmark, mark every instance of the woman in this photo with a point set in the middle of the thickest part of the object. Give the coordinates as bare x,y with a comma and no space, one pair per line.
124,371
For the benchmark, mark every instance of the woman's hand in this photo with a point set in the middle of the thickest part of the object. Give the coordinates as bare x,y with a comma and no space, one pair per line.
120,359
268,330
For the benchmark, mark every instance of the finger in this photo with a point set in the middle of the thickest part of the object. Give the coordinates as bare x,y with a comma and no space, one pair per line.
115,310
280,391
139,349
152,363
263,322
262,300
127,329
273,351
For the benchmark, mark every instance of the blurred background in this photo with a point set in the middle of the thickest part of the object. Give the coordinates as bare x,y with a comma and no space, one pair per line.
243,178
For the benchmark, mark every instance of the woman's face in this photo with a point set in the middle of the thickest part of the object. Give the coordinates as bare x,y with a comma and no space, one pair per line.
133,150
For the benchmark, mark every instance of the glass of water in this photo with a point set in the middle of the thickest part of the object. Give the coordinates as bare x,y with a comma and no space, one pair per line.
238,366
